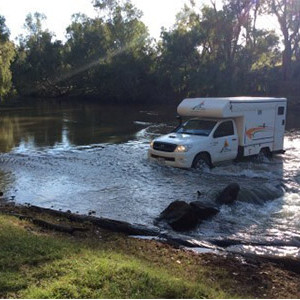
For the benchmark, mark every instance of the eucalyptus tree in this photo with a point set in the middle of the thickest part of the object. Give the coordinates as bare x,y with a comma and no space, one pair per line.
288,16
217,50
4,31
123,73
232,37
179,64
7,53
88,41
39,60
201,51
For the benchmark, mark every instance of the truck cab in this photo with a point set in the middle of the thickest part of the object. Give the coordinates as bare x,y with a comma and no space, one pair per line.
197,141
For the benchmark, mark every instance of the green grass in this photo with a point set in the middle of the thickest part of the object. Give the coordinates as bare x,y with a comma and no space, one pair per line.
34,265
99,276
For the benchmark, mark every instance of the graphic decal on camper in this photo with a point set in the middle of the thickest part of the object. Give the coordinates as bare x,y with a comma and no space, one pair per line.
199,106
253,131
226,147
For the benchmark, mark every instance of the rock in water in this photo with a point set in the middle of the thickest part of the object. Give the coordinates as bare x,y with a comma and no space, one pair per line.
203,212
182,216
174,211
229,194
188,220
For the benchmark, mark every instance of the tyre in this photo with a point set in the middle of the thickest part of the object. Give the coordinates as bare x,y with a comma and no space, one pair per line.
264,154
202,161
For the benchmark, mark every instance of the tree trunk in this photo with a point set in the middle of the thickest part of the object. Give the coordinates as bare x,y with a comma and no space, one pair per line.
287,60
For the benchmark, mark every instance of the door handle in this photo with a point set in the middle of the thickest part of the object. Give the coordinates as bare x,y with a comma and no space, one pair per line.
234,139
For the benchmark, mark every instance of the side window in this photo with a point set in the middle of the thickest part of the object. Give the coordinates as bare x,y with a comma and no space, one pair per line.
280,110
224,129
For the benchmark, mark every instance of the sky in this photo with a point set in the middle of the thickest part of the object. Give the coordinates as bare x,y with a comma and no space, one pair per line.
157,14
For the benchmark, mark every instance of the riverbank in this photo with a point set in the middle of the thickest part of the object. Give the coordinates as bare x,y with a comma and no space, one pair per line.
44,255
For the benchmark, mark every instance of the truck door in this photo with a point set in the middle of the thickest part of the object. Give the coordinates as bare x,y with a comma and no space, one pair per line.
224,142
280,116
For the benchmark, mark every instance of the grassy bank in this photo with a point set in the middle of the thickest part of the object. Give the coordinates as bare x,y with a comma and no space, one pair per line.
39,263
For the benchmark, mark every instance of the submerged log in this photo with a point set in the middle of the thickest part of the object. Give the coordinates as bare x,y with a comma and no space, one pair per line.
123,227
48,225
109,224
58,227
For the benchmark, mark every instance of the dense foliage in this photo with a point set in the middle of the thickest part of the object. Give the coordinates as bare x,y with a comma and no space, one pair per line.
210,51
7,52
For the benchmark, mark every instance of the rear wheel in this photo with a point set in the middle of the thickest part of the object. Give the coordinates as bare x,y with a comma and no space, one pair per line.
202,161
263,154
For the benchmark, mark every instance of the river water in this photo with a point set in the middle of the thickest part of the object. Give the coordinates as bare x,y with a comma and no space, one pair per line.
87,157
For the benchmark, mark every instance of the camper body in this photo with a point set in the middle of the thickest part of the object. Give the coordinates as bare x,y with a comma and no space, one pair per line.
221,129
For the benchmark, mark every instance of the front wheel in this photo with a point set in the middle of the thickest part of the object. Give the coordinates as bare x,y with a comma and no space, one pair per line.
202,161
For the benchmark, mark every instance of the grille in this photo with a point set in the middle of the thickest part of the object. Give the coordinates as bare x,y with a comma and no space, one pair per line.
165,147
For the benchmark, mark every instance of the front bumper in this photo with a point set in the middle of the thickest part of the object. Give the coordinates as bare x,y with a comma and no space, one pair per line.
173,159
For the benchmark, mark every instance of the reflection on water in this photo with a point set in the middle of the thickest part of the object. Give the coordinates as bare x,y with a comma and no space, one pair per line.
91,157
53,125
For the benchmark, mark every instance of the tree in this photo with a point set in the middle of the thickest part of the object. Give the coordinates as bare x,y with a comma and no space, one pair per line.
216,51
88,41
39,60
234,31
130,55
179,59
288,16
7,53
109,56
4,31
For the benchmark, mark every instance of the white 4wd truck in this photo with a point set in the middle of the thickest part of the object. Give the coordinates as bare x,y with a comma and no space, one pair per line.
220,129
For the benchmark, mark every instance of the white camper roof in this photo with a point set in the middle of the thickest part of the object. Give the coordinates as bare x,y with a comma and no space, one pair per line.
224,107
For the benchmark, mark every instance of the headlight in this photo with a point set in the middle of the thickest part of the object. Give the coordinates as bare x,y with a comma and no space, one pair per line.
151,144
182,148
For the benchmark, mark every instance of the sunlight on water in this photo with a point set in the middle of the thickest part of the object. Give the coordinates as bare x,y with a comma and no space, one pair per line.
267,251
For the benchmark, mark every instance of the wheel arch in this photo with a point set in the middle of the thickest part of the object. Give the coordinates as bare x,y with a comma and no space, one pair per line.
266,151
207,154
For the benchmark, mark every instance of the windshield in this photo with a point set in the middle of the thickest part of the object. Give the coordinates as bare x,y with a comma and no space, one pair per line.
197,127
